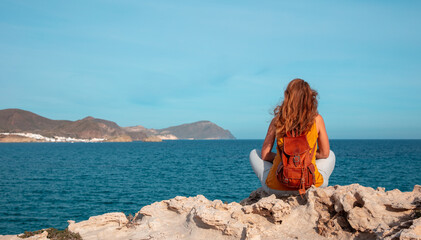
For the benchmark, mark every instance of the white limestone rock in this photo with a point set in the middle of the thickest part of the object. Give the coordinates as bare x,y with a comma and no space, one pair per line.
337,212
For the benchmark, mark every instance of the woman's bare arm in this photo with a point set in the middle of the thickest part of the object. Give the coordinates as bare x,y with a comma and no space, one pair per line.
267,155
323,140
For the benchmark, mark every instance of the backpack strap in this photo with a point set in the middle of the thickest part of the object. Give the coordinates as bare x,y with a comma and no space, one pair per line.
302,189
283,160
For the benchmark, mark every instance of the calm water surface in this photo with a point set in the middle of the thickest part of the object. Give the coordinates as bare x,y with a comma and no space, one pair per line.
45,184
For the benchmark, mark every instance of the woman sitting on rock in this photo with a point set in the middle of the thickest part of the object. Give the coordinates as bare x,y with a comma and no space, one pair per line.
297,117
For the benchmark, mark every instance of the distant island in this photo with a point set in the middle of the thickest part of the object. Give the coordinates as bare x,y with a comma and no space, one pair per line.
18,125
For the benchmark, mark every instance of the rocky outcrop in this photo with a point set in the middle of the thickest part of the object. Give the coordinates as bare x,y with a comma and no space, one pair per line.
337,212
41,236
340,212
124,138
152,139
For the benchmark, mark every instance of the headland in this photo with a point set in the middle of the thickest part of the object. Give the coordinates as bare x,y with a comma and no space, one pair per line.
18,125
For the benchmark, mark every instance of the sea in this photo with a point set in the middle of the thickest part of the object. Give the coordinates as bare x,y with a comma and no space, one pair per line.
43,185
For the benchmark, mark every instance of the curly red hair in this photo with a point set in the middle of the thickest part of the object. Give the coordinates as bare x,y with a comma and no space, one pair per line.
298,110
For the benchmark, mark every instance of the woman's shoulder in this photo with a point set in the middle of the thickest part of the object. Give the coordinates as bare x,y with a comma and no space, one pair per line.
318,118
319,122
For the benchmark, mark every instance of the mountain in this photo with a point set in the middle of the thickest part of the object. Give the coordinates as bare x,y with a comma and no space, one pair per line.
90,127
19,121
138,133
197,130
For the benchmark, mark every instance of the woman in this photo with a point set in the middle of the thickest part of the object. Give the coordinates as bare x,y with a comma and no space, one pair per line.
296,115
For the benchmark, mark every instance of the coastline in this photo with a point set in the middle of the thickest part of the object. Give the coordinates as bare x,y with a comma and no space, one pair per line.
32,137
343,212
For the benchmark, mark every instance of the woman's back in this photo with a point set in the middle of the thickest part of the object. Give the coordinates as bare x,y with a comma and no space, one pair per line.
272,181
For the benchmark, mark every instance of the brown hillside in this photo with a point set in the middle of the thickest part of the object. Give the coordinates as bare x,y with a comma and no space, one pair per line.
198,130
17,120
90,127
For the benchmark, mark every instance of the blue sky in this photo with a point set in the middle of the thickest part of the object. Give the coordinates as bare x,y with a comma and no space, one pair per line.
164,63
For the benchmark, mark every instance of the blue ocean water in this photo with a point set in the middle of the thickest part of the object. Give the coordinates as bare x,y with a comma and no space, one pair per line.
45,184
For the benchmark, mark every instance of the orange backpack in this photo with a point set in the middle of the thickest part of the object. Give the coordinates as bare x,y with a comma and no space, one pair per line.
296,170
